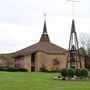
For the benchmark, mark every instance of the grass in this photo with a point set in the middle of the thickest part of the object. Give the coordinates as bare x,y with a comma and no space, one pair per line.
38,81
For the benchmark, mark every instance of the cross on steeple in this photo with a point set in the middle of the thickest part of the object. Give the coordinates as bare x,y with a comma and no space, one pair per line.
73,1
44,16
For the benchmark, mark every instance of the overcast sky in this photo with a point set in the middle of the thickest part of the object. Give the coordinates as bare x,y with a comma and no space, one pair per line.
21,22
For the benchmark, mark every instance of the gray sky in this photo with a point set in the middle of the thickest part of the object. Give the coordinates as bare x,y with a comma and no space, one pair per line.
21,22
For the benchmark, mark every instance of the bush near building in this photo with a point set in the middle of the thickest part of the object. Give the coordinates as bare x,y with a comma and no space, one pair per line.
13,69
63,72
80,73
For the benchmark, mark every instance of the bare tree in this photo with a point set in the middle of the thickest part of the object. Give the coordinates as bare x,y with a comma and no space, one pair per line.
7,60
84,41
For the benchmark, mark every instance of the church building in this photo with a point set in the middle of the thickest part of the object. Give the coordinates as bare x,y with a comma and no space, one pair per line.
44,52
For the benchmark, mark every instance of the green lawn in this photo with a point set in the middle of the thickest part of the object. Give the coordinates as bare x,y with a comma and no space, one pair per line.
38,81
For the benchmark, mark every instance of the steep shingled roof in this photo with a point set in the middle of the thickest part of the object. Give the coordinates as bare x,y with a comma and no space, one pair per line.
44,45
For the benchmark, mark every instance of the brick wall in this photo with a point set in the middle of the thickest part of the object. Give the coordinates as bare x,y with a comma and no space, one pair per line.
47,59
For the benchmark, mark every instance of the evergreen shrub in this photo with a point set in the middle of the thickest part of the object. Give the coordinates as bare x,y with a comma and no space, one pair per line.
70,72
3,68
77,72
43,68
64,72
22,70
83,73
12,69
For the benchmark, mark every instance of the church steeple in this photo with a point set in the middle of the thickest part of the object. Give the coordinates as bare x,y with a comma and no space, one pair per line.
44,36
73,58
45,27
